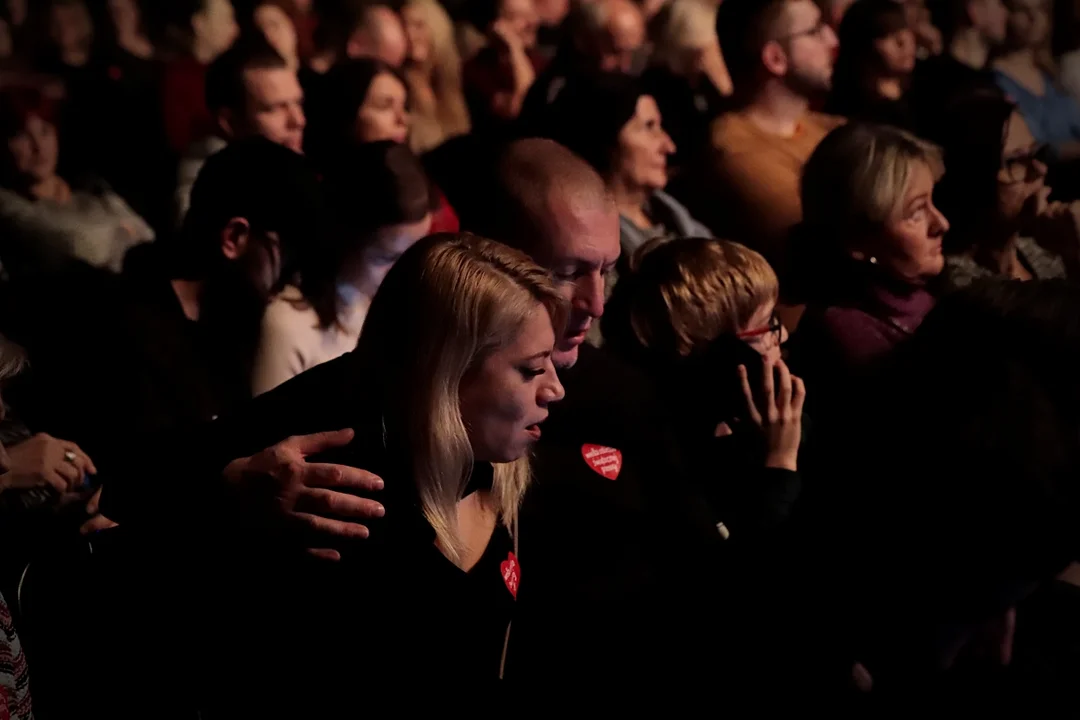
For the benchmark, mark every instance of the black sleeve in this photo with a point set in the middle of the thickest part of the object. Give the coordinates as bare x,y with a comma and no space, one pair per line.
172,475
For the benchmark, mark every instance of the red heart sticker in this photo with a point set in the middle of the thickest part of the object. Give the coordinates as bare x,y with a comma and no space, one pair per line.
511,573
604,460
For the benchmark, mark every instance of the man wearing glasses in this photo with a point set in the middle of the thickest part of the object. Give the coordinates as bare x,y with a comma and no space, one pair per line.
780,55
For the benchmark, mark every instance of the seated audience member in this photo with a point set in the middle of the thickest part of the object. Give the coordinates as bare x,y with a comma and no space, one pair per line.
552,32
379,194
363,101
1021,73
460,338
989,381
699,315
279,22
869,246
548,200
873,70
605,36
46,220
433,74
185,336
202,30
611,123
780,55
70,57
250,91
358,29
972,29
688,77
498,78
133,155
14,674
366,103
995,195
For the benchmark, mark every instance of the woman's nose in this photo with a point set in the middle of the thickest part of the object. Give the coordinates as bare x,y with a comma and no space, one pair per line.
553,391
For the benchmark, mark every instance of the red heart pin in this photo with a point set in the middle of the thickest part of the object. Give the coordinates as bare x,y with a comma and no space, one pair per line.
511,573
606,461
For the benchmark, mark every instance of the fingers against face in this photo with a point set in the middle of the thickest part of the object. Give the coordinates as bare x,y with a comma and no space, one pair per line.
768,386
748,394
783,398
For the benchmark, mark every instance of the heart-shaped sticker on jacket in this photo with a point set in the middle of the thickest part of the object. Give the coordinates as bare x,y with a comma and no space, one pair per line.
511,573
606,461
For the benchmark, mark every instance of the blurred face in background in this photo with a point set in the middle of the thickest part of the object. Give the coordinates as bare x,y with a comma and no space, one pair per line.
1028,23
897,52
521,19
808,46
70,27
991,19
383,116
275,107
275,24
1022,176
623,38
643,149
215,27
35,149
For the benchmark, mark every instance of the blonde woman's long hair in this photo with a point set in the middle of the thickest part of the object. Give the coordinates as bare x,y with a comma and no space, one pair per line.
447,304
448,116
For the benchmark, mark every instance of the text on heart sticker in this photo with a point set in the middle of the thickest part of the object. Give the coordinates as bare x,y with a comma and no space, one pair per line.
606,461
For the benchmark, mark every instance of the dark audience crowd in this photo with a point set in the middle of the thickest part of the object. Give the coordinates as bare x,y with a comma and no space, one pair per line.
699,353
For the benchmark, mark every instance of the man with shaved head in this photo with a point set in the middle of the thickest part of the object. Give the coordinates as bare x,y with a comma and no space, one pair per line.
596,550
606,35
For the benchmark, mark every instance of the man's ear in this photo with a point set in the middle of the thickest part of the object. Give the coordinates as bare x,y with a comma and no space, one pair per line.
226,122
774,58
235,237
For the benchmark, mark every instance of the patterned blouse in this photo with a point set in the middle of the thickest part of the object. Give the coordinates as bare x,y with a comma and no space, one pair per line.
962,270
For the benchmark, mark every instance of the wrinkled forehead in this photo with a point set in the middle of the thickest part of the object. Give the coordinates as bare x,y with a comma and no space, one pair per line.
580,228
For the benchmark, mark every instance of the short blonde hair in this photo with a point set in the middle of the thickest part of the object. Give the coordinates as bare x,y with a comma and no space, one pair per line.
686,293
857,178
448,303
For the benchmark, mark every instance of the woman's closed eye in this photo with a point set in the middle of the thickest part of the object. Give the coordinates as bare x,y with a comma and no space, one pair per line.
529,373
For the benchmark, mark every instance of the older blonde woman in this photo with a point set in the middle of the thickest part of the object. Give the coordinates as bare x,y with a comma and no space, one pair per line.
433,74
870,250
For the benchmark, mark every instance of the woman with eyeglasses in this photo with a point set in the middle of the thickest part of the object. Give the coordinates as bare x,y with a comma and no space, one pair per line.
698,314
995,195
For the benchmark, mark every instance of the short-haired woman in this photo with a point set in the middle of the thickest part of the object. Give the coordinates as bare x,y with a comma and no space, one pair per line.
698,315
383,206
996,197
454,379
869,248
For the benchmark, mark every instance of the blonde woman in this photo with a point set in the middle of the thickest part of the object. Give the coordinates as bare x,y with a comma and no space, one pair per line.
433,74
869,254
452,380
